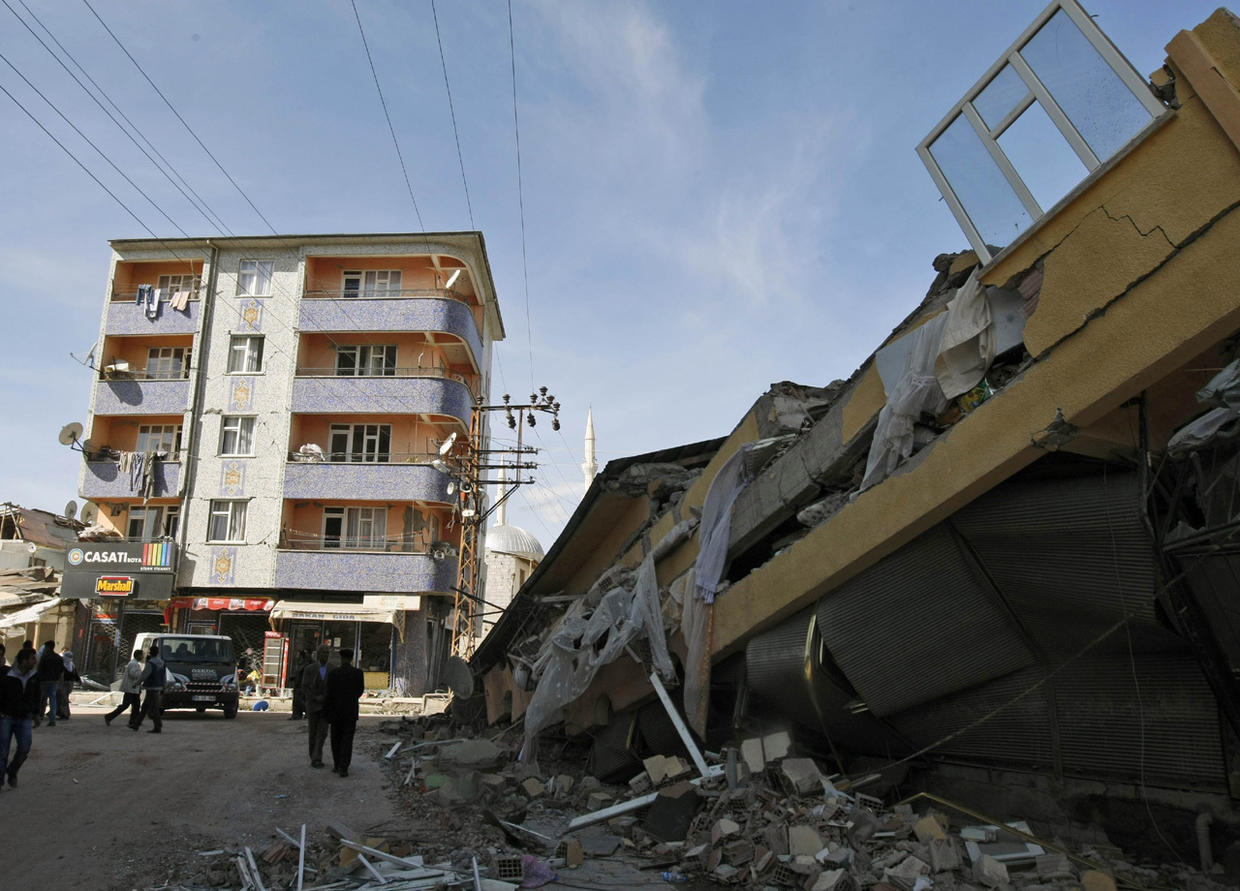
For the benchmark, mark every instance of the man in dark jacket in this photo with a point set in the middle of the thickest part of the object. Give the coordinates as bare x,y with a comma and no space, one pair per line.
299,696
313,692
152,681
345,686
19,700
51,669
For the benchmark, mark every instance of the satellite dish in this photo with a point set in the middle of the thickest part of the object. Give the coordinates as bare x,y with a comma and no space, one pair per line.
90,513
32,548
458,677
71,510
70,433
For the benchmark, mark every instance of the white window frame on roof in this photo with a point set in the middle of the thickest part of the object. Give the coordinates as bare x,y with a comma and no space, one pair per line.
1037,92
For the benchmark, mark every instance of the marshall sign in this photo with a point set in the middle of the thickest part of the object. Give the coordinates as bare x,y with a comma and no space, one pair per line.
133,570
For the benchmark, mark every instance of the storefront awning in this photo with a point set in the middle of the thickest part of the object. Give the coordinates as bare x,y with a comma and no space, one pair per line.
29,614
254,605
373,608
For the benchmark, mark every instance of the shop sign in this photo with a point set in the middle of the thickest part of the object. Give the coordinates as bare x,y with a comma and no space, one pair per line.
114,586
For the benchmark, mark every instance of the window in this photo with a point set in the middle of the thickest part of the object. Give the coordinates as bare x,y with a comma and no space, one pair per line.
254,278
1054,108
176,283
237,435
159,438
358,528
366,361
167,363
360,443
150,523
245,354
227,521
373,283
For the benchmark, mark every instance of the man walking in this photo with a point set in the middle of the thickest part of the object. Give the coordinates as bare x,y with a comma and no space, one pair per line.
130,688
313,692
152,682
345,686
19,699
50,670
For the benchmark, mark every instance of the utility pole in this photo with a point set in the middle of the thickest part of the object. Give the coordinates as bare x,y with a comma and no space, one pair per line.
468,472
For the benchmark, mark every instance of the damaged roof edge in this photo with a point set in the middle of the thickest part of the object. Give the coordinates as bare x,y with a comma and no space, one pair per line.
493,647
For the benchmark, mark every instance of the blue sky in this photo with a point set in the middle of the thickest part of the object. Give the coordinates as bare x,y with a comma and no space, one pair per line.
718,195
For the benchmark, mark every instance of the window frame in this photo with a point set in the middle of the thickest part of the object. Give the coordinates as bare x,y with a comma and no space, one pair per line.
166,365
184,282
356,440
365,283
233,512
249,356
247,288
1039,94
167,519
348,521
364,355
240,432
159,430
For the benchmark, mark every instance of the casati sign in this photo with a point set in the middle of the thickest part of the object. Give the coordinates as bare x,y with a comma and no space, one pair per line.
135,570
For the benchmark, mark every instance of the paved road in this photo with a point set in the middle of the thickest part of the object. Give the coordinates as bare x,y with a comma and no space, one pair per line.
101,807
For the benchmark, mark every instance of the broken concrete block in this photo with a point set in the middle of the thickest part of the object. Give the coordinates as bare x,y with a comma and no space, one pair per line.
340,831
834,856
476,753
944,855
1054,866
722,829
800,775
533,788
1093,880
834,880
574,853
776,745
905,873
804,840
991,873
725,873
928,828
641,784
563,785
597,801
751,754
590,784
738,852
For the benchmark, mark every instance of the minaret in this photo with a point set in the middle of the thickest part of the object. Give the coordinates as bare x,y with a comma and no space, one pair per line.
589,467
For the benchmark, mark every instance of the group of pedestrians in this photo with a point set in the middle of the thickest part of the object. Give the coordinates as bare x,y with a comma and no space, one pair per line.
138,679
330,697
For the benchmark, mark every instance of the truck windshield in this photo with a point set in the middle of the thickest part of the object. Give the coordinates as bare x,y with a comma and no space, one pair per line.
188,649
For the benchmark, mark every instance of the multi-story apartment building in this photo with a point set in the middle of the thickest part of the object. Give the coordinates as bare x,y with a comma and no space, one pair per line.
261,434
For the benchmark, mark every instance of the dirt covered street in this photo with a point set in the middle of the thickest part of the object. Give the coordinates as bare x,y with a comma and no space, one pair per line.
101,807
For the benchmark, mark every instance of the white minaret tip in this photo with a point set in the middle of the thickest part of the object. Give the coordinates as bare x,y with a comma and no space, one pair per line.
589,467
501,513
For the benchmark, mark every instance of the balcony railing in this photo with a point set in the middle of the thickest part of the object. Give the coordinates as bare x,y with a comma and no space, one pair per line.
417,543
397,371
131,295
142,374
395,572
386,294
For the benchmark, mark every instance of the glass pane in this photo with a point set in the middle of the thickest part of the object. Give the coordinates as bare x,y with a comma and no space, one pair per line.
1042,156
1000,96
979,184
1102,109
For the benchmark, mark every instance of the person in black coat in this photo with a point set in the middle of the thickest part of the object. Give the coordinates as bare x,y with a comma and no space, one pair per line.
50,669
313,695
19,700
345,686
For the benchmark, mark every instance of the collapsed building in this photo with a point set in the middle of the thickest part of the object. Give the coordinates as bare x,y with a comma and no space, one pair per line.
997,563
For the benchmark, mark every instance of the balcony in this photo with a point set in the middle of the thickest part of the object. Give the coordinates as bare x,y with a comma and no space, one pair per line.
127,317
102,480
366,482
384,572
421,310
133,396
382,395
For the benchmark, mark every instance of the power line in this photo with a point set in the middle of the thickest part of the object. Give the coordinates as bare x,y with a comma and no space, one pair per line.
452,110
98,150
391,129
217,222
112,117
516,129
188,128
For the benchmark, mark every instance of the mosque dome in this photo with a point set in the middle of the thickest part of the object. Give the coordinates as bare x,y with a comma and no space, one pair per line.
505,539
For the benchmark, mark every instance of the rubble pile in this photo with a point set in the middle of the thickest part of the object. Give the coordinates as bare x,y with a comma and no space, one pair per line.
761,817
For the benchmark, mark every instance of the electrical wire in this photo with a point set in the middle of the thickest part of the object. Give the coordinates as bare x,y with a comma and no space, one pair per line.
98,150
391,129
452,109
184,123
516,129
127,131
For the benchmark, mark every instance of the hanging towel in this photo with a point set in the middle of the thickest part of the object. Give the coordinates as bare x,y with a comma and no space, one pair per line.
180,300
147,490
135,472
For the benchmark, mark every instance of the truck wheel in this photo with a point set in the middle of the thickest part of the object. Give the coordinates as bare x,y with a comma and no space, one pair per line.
230,711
